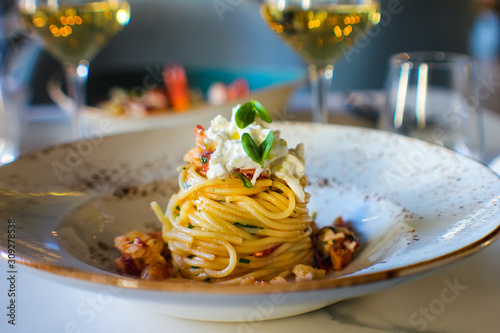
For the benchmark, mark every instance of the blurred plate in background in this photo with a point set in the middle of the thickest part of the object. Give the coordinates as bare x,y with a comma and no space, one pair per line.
269,86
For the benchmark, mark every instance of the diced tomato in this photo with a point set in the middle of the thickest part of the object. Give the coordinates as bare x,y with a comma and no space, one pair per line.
249,173
265,253
205,159
199,132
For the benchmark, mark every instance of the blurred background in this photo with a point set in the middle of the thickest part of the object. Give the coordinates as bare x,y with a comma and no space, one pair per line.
222,33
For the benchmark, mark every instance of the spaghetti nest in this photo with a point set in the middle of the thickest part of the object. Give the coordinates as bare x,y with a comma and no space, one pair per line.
220,231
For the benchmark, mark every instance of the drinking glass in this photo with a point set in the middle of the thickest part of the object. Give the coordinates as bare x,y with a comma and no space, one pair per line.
74,31
321,31
434,96
12,98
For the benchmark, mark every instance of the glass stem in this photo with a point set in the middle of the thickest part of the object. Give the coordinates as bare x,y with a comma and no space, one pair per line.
321,82
76,77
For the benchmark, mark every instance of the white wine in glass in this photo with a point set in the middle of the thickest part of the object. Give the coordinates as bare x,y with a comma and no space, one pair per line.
321,31
74,31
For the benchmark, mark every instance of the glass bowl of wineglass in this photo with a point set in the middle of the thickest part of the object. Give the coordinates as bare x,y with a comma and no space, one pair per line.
321,31
74,31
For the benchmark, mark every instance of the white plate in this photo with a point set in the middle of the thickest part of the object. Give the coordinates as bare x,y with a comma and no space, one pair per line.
275,89
416,207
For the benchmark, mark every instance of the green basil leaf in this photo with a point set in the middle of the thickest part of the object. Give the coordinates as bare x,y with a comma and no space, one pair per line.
238,224
245,115
251,149
265,147
244,180
262,112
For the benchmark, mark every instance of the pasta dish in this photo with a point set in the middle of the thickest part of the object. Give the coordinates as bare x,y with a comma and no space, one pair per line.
240,216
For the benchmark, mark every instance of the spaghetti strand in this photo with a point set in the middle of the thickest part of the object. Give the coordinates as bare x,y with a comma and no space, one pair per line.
217,229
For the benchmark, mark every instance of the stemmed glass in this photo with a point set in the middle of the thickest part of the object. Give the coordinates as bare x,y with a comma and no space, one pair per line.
321,31
74,31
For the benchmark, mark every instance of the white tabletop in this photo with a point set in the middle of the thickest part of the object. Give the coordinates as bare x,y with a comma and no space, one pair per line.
427,305
464,297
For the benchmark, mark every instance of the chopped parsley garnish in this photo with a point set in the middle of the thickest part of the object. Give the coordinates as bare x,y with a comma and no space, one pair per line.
238,224
247,112
258,154
177,207
195,267
203,160
244,261
244,180
190,226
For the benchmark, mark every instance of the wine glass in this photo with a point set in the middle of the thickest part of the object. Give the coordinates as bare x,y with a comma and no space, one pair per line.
74,31
321,31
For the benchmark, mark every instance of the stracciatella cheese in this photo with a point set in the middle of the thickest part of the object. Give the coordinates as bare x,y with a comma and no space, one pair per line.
284,163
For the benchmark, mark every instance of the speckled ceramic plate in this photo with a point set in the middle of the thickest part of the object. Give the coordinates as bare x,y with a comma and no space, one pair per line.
416,207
